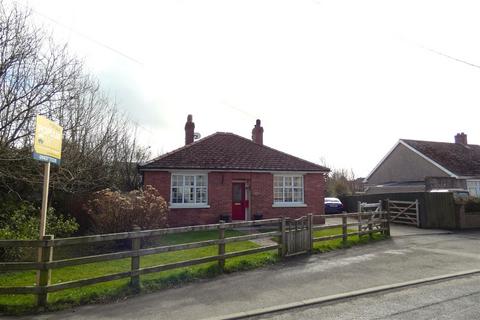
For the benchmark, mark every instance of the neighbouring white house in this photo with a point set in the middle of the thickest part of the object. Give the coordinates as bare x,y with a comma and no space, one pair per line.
414,165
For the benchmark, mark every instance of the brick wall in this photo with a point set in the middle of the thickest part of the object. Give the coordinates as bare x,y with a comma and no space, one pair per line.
220,196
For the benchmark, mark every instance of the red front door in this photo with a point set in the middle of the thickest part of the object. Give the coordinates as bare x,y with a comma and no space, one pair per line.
238,201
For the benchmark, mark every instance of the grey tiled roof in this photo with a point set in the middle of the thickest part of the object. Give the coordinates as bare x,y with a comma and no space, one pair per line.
462,160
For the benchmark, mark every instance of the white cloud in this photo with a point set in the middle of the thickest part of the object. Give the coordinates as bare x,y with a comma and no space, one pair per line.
343,80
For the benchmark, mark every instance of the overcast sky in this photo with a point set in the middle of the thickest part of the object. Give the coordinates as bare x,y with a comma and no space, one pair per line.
337,81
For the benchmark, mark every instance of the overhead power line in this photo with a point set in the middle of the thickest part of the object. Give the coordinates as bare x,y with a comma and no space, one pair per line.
97,42
437,52
450,57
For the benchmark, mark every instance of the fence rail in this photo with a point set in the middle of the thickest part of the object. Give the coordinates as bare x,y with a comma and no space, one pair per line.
377,221
300,238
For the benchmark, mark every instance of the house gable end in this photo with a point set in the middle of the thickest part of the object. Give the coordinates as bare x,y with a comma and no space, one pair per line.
448,172
403,163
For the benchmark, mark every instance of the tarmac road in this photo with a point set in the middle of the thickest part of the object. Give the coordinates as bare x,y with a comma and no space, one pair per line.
454,299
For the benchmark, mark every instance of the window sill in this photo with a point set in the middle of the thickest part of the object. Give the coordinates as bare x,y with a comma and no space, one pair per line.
189,206
289,205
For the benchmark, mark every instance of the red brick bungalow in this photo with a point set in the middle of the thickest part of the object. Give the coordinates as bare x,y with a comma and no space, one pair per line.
227,174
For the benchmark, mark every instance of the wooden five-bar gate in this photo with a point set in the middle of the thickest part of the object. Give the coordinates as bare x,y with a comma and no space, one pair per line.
295,236
404,212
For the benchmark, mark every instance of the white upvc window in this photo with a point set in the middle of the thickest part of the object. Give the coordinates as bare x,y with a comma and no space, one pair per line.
189,190
288,190
473,187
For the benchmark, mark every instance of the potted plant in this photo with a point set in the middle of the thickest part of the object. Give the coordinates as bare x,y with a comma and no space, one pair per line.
226,217
258,216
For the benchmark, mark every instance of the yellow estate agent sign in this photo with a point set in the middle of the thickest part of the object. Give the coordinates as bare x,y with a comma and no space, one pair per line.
48,141
47,147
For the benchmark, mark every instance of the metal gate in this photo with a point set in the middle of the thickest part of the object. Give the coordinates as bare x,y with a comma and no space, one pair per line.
365,223
298,235
404,212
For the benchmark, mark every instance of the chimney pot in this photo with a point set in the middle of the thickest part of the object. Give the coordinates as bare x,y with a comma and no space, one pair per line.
257,133
189,130
461,138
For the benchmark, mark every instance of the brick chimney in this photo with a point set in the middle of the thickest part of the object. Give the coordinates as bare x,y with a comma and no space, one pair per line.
257,133
189,129
461,138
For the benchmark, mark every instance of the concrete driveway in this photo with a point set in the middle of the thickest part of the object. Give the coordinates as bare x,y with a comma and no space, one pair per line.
396,229
399,259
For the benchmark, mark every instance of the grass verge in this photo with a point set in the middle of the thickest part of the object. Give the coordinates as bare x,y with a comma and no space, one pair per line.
329,245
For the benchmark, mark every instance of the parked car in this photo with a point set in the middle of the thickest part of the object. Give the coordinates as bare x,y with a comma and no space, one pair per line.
333,205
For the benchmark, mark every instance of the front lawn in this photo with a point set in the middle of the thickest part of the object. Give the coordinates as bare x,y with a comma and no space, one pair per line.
113,290
116,289
329,245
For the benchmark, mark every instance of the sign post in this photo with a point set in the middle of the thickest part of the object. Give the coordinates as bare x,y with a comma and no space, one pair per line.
47,148
43,212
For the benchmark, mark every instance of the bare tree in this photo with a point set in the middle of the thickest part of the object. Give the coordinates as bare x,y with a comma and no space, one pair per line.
38,76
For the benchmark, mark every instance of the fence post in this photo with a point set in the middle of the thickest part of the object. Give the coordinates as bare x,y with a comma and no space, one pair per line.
280,238
359,219
370,226
387,224
418,213
344,230
221,245
310,232
136,244
45,274
283,239
373,217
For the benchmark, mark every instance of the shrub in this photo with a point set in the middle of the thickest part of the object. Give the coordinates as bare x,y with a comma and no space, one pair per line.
115,211
21,220
472,205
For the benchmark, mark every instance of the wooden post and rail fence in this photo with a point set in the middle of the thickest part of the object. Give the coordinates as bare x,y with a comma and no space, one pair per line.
295,236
